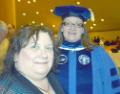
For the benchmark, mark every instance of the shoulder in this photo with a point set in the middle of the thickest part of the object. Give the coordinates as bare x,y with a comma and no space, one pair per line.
55,83
5,82
10,84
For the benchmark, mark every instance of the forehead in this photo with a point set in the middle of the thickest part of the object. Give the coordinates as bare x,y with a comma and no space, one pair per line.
43,37
73,19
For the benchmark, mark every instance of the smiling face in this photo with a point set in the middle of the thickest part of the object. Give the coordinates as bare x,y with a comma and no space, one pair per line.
72,28
36,58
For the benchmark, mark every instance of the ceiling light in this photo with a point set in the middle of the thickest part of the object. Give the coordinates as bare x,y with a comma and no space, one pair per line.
37,12
102,20
34,1
33,22
51,10
94,24
78,3
24,14
19,0
91,27
53,25
29,2
85,22
41,24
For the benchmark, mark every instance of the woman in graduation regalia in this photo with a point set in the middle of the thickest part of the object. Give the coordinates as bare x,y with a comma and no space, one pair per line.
84,68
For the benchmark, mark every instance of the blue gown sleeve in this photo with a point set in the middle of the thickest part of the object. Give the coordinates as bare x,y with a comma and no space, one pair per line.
105,74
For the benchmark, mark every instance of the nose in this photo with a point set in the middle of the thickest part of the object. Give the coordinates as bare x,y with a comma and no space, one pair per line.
72,26
43,54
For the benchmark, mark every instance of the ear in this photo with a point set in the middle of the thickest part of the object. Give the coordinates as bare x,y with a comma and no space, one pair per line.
83,31
61,29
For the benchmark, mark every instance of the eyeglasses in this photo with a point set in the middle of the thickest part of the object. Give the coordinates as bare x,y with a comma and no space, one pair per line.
68,24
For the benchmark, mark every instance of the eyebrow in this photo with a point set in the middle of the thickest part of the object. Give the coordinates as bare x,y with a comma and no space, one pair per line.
39,44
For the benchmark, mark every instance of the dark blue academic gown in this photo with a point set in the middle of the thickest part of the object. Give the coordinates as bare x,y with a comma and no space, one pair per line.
87,72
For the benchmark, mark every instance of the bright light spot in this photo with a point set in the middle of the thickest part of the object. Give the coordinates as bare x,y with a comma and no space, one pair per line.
51,10
102,20
85,22
19,0
33,22
53,25
94,24
41,24
78,3
91,27
34,1
29,2
24,14
37,12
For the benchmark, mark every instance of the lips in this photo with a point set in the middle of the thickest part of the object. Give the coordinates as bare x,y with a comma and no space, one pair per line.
71,33
41,62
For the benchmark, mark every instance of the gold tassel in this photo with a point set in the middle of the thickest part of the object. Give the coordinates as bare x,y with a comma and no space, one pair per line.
92,15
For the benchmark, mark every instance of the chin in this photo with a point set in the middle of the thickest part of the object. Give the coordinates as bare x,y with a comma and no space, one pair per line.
42,72
72,40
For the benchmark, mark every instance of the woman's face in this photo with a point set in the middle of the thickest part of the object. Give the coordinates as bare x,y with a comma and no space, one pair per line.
72,28
36,60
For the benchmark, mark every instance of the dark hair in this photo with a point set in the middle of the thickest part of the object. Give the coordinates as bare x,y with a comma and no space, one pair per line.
21,40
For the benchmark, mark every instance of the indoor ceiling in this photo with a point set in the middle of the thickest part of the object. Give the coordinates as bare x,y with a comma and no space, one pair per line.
108,10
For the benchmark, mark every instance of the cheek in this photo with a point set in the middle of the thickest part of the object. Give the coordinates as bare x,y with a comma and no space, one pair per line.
65,29
65,33
78,36
51,58
79,32
82,30
26,56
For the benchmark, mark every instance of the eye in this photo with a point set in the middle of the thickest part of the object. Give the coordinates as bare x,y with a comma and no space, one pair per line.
36,47
79,25
49,47
32,46
65,23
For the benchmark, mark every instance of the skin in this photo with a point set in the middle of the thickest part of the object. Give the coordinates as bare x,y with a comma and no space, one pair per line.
35,61
72,28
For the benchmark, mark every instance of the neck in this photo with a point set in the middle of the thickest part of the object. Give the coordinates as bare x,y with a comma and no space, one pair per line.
72,44
42,84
